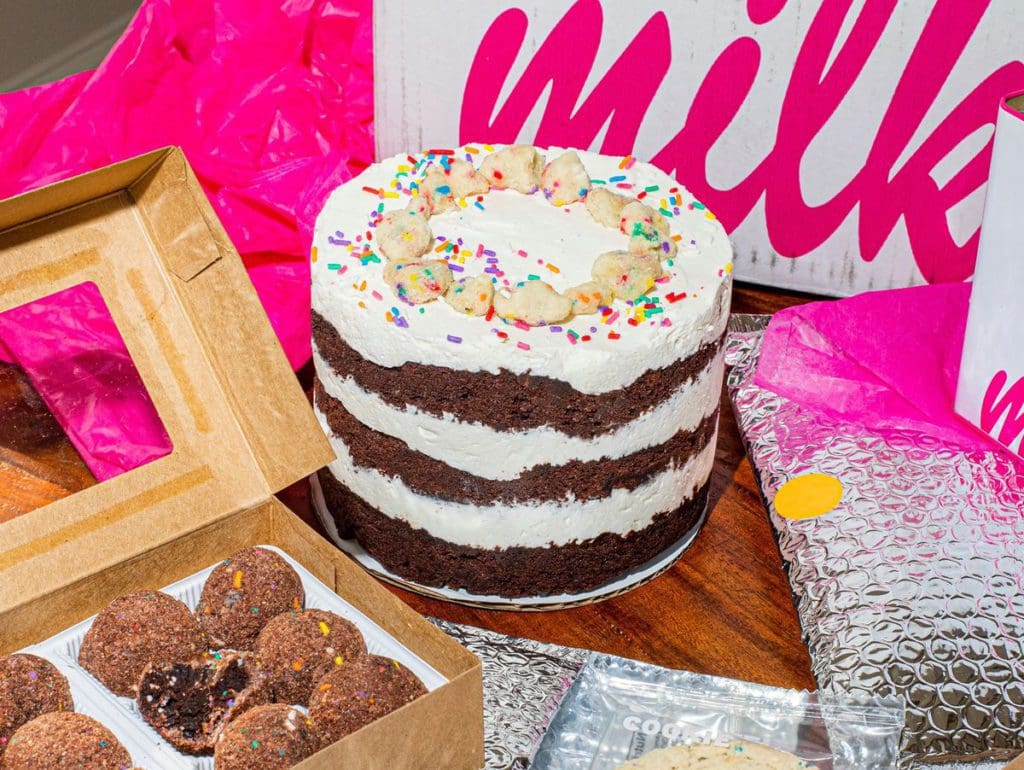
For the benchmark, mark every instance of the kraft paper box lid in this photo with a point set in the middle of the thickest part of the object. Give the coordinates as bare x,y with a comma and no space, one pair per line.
241,427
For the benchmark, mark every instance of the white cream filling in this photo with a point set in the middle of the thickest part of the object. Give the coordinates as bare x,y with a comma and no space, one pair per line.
530,525
504,455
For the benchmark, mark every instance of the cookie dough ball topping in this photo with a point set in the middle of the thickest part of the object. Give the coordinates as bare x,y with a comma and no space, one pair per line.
629,275
589,297
517,167
648,231
404,235
565,180
534,303
135,630
472,296
605,207
405,238
417,281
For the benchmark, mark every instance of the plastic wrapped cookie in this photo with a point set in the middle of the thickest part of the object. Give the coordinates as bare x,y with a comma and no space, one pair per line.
534,303
605,207
404,235
418,281
629,275
472,296
588,297
565,180
517,167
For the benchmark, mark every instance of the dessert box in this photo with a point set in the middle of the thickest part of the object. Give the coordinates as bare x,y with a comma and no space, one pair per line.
241,428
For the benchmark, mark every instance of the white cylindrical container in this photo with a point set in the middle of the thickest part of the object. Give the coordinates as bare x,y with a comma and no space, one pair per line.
990,391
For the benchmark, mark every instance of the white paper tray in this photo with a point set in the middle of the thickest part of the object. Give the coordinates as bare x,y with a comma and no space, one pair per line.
121,716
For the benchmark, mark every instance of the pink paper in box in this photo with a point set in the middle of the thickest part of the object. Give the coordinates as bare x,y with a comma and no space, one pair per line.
72,352
886,360
272,104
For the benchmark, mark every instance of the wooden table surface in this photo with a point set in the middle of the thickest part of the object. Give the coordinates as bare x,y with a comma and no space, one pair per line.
724,608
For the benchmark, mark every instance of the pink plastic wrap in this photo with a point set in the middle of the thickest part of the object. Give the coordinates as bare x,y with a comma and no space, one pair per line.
887,360
72,352
272,104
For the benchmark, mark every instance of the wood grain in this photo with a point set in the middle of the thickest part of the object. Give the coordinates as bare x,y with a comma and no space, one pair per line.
725,608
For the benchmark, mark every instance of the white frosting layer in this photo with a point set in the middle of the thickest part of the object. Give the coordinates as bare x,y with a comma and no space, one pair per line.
533,525
355,299
493,454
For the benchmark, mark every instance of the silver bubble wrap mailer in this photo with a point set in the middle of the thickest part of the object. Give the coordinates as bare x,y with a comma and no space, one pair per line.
914,585
524,682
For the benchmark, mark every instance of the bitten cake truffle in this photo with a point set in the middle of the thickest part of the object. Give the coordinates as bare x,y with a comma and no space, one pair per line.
188,702
266,737
29,686
243,593
298,648
358,693
137,629
62,740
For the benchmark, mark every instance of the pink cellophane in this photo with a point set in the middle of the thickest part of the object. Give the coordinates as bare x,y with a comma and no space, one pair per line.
81,367
273,106
886,360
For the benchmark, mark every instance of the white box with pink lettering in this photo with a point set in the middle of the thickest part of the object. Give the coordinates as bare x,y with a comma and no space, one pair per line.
990,391
844,143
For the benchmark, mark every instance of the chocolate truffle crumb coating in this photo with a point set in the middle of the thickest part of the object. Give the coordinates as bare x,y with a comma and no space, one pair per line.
135,630
63,740
187,703
266,737
29,686
243,593
353,695
296,649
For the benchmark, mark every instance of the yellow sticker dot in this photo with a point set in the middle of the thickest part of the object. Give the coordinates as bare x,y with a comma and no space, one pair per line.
808,496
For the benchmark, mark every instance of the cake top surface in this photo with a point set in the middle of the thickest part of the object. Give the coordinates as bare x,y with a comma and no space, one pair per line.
514,238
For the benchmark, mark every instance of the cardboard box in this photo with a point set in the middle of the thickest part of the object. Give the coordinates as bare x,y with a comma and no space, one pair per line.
144,233
843,145
990,390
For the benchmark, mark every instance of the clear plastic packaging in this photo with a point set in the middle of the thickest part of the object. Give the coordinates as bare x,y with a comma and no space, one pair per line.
621,709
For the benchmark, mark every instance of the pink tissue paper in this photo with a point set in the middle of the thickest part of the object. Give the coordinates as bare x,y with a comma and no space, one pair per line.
85,376
886,360
273,106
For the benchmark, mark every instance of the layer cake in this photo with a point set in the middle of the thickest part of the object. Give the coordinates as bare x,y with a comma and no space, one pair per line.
518,362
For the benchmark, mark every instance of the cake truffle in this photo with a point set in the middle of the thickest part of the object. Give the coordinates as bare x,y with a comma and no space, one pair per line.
355,694
186,703
243,593
29,686
64,740
135,630
266,737
297,649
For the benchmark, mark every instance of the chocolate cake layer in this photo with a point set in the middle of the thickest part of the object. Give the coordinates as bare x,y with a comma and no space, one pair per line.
585,480
416,555
508,401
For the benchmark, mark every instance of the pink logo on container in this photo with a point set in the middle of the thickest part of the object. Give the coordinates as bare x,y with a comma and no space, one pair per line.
883,192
